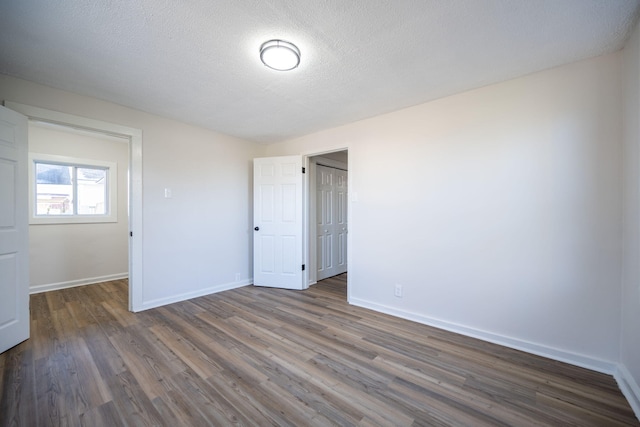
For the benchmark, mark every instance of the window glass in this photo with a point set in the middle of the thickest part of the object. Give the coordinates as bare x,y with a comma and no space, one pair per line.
92,191
54,189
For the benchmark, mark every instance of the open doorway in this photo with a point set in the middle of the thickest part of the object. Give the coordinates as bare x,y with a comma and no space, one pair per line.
328,216
132,185
78,196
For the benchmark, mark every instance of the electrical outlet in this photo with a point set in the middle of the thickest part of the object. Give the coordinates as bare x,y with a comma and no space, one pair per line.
237,277
397,291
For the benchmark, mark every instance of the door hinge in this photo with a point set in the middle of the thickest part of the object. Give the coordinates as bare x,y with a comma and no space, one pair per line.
303,169
131,234
302,267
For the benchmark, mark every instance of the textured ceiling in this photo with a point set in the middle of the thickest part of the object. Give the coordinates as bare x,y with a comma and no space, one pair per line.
197,60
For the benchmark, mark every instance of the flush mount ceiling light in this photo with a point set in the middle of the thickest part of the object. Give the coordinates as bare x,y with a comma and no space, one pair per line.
280,55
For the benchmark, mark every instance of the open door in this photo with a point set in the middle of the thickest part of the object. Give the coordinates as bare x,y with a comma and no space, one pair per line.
278,222
14,237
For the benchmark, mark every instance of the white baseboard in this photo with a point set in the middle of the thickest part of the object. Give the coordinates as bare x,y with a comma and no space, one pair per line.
533,348
146,305
629,388
73,283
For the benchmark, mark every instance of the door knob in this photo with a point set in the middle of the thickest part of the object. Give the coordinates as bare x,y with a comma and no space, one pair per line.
257,228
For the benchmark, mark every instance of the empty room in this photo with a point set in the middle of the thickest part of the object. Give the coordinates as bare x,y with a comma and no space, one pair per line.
320,213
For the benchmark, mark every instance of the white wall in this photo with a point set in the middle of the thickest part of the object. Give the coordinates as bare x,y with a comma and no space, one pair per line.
66,254
196,242
630,337
498,210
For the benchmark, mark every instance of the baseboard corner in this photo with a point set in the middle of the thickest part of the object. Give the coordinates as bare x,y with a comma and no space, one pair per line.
629,387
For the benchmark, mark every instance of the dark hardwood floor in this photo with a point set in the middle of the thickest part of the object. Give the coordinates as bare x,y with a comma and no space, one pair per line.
259,356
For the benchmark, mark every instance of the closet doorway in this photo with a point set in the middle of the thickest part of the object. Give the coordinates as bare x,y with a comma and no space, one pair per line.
328,208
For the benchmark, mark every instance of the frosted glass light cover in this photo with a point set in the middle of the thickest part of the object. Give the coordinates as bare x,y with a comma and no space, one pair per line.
280,55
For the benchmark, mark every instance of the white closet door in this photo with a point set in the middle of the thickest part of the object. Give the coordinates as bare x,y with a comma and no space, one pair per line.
331,216
341,220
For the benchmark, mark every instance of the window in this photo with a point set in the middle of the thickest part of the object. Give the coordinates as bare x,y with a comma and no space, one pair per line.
69,190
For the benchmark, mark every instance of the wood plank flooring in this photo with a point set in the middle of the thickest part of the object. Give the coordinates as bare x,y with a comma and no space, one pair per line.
259,356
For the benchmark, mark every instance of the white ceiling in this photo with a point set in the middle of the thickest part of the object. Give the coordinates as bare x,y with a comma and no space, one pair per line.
197,60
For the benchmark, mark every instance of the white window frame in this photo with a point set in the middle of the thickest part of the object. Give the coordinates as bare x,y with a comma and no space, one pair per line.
111,169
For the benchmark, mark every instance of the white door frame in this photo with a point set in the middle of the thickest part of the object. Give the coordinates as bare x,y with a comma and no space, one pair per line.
309,241
135,182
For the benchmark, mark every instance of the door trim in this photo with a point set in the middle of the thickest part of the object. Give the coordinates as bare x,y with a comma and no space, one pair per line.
135,182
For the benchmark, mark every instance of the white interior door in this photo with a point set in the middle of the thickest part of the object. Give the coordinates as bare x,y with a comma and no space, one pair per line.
278,222
14,237
342,227
325,233
331,217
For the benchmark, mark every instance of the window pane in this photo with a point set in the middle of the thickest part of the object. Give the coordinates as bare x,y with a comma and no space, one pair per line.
92,191
54,189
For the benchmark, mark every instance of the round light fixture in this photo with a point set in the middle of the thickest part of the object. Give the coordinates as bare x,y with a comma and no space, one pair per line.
280,55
